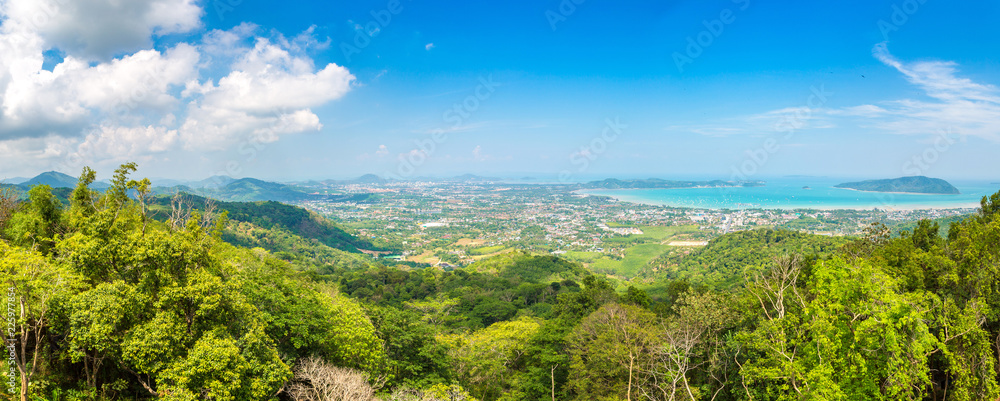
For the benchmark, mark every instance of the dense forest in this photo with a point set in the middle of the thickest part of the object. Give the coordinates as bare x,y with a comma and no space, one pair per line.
123,295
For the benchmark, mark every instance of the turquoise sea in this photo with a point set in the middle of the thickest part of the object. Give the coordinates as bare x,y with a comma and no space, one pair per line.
789,193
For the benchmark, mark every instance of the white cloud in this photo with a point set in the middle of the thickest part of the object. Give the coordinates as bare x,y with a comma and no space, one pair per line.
382,151
63,101
228,87
269,93
100,29
429,46
938,78
268,77
130,142
955,104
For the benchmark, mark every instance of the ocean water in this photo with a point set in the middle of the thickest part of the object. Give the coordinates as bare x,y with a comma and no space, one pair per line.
788,193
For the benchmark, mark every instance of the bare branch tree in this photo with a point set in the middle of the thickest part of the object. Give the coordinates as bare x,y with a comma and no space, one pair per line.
8,203
179,213
670,363
316,380
208,216
774,286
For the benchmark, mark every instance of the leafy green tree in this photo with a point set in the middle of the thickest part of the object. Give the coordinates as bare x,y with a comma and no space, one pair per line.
484,359
34,284
596,291
83,200
413,356
636,297
609,350
492,310
925,235
38,221
857,337
306,319
162,306
437,311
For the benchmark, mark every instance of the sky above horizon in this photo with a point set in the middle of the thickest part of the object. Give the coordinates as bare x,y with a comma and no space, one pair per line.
731,89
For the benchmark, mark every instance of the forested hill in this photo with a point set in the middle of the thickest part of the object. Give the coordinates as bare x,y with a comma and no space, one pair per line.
726,260
111,304
268,215
915,184
217,187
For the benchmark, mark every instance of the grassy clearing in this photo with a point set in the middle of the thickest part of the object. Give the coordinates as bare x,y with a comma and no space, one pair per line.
648,246
470,242
503,250
426,257
653,233
486,250
637,256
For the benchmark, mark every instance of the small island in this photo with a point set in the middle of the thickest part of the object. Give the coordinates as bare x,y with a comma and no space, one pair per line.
656,183
910,185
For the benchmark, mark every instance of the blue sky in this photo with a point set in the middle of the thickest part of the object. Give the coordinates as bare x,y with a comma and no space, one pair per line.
576,89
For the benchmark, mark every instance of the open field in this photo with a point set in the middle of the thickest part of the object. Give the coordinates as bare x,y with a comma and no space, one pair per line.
688,243
470,242
486,250
653,242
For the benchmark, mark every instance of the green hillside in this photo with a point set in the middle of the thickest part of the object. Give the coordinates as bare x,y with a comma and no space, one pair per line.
915,184
115,303
271,215
725,260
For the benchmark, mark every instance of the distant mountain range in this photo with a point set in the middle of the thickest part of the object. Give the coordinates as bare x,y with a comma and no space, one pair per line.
656,183
915,185
53,179
218,187
224,188
251,189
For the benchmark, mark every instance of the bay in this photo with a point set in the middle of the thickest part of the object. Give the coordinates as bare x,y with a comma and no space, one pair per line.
803,193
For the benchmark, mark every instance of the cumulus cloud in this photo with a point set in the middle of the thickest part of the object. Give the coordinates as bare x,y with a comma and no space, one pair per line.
268,93
100,29
62,101
113,96
130,142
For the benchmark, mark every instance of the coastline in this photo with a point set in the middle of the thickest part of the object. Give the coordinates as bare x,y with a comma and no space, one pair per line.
896,193
829,207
